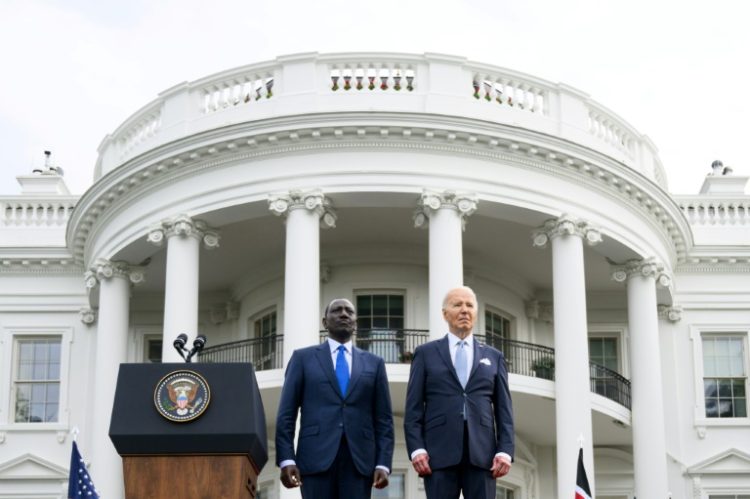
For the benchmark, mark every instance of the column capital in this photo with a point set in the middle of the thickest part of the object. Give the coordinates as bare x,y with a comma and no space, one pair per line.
671,313
313,200
565,225
464,203
647,267
184,226
104,269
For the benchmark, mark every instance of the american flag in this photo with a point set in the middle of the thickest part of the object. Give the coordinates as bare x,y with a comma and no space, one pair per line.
583,491
80,483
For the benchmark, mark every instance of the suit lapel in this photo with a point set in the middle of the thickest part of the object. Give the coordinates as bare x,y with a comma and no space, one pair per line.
323,354
357,368
478,350
444,349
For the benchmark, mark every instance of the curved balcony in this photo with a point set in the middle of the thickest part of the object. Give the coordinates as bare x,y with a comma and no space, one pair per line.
396,346
402,86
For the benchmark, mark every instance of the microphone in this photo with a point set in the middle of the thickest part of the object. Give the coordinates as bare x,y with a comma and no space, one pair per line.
198,344
179,345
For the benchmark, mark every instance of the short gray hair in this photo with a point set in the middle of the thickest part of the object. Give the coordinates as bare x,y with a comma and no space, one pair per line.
464,288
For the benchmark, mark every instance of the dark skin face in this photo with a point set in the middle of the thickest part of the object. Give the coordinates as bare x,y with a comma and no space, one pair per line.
340,320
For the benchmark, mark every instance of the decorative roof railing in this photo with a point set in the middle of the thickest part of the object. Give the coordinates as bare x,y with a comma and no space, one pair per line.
431,83
24,212
396,346
706,210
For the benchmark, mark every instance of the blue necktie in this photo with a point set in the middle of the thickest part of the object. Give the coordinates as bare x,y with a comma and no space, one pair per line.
342,369
461,363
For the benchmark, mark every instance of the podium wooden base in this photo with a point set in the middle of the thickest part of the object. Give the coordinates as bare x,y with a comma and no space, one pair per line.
189,477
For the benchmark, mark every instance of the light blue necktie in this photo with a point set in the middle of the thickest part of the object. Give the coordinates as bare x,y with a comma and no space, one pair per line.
342,369
461,363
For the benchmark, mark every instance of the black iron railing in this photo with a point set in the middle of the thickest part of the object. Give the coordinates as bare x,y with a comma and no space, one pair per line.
265,353
396,346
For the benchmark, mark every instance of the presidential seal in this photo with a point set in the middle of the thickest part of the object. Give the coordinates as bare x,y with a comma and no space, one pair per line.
182,396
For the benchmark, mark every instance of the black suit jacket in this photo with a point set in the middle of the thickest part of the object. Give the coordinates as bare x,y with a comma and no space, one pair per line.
364,414
434,419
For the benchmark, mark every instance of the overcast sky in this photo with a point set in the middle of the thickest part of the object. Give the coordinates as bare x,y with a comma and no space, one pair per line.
73,70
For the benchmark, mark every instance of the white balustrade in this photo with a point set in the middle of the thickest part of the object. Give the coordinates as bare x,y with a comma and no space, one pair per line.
608,128
237,90
145,127
16,212
715,211
363,75
312,83
511,91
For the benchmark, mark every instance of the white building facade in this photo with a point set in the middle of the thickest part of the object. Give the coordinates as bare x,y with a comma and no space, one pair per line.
238,205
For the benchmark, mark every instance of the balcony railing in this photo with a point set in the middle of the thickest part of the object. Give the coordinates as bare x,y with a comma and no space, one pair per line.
376,81
265,353
396,346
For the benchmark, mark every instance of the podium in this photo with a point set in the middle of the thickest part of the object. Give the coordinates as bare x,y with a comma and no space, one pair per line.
217,454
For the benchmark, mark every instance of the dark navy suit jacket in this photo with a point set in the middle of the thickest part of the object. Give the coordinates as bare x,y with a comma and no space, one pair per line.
364,414
433,418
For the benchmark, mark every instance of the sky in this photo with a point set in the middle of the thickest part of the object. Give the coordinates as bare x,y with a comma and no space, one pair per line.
73,70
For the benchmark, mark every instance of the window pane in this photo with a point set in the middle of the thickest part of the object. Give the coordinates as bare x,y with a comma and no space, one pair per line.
396,304
610,347
25,370
740,407
379,322
725,408
725,388
36,414
38,393
50,415
380,305
53,392
39,371
595,348
40,351
364,304
712,408
738,387
710,388
54,349
53,370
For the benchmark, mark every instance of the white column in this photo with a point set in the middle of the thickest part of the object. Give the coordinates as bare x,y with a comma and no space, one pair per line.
184,236
305,213
446,213
647,402
572,377
114,279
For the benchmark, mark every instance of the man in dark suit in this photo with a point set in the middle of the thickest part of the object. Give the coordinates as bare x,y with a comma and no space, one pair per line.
458,418
345,444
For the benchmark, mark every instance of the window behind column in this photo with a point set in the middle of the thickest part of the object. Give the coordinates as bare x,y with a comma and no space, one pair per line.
36,379
380,323
725,375
496,328
264,325
604,351
152,345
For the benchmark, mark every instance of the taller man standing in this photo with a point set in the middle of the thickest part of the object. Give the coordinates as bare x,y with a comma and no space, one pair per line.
345,444
458,418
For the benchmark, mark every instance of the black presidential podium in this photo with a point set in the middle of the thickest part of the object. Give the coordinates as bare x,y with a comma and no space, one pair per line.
193,431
